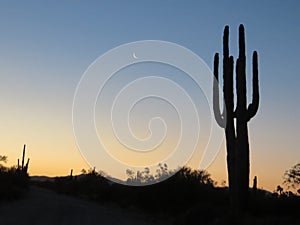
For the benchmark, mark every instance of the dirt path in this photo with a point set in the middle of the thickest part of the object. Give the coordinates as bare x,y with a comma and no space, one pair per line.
44,207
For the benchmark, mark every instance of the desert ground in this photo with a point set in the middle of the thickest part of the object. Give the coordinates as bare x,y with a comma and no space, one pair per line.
44,207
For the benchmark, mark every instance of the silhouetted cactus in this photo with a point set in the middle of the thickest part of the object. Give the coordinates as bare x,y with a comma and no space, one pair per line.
71,174
22,167
237,143
254,184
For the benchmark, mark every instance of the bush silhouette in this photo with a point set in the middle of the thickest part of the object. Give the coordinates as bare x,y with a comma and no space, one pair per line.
292,176
13,183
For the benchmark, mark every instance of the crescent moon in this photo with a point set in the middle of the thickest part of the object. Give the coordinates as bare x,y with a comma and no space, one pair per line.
134,56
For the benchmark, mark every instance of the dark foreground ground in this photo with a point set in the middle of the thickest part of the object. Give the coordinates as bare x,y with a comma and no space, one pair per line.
44,207
187,198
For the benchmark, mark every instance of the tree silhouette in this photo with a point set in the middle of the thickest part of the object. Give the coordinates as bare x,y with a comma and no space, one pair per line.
292,176
145,176
3,158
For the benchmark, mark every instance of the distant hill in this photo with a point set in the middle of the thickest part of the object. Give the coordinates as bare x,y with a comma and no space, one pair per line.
41,178
110,180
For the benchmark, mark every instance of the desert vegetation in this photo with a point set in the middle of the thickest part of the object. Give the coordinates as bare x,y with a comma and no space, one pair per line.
187,197
14,181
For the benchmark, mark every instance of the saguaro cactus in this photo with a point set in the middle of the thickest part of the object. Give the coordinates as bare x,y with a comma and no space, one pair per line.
23,167
254,188
236,132
71,174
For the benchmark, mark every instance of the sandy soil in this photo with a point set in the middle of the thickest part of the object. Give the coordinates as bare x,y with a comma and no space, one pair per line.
44,207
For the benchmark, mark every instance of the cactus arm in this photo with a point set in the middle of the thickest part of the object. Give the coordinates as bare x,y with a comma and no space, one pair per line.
237,70
23,157
216,105
26,166
225,42
227,75
231,71
225,64
241,75
253,107
242,48
229,94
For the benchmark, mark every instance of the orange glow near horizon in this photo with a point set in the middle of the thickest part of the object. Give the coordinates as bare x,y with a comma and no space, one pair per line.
52,149
67,157
46,49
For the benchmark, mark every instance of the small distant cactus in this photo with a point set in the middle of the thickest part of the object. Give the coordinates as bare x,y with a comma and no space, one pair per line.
23,168
255,184
71,174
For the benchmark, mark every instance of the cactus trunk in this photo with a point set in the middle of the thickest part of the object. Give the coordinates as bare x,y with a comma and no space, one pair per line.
237,142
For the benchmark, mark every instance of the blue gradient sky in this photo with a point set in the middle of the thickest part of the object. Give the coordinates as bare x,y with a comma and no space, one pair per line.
46,47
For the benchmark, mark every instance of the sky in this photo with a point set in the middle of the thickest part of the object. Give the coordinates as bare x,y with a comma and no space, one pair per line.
45,48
